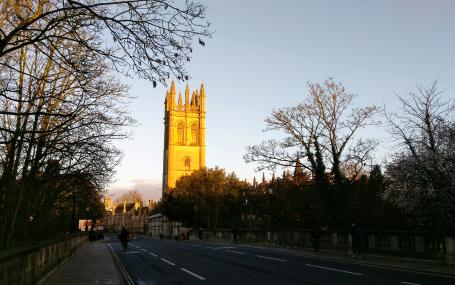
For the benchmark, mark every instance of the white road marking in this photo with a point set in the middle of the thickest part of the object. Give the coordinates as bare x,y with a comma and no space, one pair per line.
143,249
272,258
333,269
167,261
227,247
409,283
211,247
239,252
151,253
193,274
129,252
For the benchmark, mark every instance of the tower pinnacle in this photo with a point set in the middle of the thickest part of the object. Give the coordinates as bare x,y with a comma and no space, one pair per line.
202,99
180,102
187,97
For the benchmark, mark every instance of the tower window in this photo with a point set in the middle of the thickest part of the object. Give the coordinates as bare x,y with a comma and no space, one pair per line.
180,132
187,163
194,133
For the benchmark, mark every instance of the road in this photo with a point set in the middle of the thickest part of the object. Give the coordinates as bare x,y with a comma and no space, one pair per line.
192,262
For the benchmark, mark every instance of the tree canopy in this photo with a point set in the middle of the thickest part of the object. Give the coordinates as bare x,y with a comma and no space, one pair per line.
321,130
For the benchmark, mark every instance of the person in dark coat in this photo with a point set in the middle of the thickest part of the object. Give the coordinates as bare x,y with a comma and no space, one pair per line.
235,234
199,233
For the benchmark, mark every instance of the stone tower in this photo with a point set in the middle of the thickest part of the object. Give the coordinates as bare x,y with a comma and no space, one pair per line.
184,134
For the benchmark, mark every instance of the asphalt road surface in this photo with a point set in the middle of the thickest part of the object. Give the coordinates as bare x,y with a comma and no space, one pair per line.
191,262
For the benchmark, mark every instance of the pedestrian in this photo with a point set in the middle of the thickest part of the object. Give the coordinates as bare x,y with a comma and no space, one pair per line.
356,236
315,236
199,233
235,233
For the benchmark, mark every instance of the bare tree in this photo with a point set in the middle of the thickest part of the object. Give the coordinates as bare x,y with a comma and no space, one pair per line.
149,37
423,115
421,174
52,114
321,130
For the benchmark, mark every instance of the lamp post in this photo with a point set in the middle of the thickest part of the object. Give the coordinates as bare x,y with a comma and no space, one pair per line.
270,192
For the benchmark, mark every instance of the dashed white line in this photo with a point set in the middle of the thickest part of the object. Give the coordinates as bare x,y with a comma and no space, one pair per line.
167,261
409,283
333,269
272,258
233,251
193,274
151,253
227,247
143,249
211,247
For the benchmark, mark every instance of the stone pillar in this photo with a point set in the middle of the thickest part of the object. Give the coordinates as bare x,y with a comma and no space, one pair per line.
335,240
393,243
350,244
371,241
419,244
450,249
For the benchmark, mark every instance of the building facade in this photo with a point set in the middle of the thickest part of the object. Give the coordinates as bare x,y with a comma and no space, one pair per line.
184,134
132,216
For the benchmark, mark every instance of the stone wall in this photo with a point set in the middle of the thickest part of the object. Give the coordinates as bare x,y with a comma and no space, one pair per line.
29,263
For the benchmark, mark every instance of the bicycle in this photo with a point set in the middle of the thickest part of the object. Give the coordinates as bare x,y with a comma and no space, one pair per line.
125,245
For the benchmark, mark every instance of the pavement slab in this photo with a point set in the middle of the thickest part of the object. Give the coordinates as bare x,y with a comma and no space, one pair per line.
92,264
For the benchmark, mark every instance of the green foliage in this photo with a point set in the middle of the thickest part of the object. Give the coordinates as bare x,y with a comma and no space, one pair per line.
205,198
211,199
56,203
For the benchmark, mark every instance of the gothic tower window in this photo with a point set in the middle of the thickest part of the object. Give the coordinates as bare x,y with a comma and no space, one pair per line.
180,132
187,163
194,133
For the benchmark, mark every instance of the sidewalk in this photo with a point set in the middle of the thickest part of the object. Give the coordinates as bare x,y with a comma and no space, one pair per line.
92,264
394,262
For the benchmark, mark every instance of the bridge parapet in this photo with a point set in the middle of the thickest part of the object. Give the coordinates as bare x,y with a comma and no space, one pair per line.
29,263
434,246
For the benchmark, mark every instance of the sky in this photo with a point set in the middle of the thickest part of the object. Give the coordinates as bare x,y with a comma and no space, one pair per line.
261,57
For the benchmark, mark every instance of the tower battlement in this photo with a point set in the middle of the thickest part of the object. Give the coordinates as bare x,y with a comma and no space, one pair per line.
193,103
184,134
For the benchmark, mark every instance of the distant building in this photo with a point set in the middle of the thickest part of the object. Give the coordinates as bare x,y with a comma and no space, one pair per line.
184,135
132,216
160,226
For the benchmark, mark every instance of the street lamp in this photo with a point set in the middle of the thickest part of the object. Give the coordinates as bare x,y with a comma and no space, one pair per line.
270,191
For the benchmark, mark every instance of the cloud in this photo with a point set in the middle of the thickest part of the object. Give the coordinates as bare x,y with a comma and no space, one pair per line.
149,189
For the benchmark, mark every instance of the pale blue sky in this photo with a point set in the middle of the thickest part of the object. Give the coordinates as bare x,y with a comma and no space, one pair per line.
264,52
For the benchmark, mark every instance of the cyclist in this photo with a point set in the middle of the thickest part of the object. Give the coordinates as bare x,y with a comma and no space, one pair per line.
124,237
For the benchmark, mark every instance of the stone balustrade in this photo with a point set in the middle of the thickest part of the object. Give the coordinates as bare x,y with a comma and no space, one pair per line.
410,244
29,263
